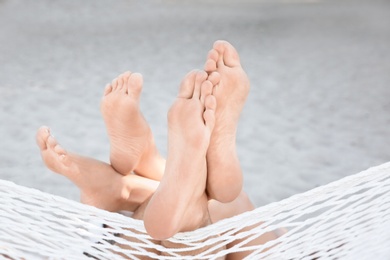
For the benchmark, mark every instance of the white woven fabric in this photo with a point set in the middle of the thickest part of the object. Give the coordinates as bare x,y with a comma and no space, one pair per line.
347,219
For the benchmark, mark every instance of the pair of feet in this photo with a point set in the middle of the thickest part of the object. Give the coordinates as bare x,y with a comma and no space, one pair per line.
202,163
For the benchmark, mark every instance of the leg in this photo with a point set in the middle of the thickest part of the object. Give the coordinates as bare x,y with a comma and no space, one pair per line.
224,181
180,201
101,186
131,140
219,211
241,204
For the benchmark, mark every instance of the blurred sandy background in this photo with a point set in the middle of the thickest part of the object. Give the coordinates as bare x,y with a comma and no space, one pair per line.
320,71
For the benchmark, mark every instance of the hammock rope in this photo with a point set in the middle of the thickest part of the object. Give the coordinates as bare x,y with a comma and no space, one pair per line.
346,219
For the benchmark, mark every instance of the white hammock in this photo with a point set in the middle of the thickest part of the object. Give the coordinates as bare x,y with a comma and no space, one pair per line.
347,219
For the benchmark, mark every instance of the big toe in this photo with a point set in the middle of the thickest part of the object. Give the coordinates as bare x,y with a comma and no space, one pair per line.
134,85
228,53
43,134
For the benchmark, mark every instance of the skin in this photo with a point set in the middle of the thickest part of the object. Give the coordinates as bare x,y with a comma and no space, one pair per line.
100,185
223,167
132,146
190,123
204,131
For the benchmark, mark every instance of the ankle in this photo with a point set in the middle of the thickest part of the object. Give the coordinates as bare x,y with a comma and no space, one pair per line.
151,165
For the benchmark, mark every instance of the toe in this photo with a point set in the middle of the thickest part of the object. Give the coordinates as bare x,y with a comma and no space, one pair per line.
209,113
107,89
211,61
211,103
51,142
205,90
214,78
120,87
59,150
114,84
187,85
42,136
125,78
134,85
228,53
126,74
201,76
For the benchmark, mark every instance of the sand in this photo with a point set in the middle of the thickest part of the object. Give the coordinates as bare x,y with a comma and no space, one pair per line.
318,109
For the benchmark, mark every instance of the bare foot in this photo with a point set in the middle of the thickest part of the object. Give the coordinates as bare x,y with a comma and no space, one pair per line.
224,181
131,139
101,186
180,202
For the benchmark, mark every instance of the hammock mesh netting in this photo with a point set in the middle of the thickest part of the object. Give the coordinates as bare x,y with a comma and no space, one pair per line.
346,219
